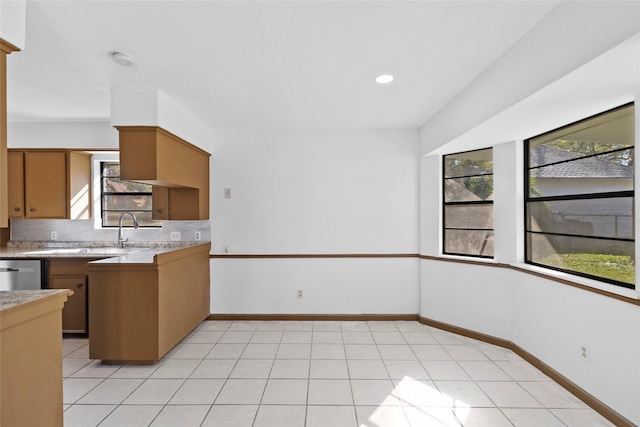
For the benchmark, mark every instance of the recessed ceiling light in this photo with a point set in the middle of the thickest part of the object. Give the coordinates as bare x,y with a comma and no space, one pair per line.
384,79
123,59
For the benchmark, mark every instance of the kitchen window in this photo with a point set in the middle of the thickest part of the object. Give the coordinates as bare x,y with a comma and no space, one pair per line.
119,196
468,203
579,198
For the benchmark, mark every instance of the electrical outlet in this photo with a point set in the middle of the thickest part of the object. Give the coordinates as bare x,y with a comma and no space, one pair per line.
585,353
54,235
299,293
198,236
175,236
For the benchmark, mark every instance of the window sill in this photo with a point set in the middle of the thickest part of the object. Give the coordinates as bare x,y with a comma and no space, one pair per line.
465,260
577,281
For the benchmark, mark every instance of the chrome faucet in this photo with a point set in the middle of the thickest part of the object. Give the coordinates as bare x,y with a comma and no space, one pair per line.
121,239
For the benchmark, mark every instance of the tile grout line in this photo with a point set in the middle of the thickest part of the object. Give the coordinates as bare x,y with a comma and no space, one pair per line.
223,384
380,343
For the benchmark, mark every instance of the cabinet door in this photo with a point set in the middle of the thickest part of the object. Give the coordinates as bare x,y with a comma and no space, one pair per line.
80,185
46,185
15,169
160,202
183,203
74,313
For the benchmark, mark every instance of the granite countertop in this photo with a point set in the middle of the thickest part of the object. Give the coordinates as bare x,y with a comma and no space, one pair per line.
12,299
141,253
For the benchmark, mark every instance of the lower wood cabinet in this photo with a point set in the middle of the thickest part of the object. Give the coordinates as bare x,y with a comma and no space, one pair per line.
74,314
139,311
31,360
71,273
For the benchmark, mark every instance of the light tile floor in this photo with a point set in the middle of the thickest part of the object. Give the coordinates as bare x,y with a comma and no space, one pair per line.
319,374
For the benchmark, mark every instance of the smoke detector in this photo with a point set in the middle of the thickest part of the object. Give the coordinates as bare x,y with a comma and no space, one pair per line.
123,59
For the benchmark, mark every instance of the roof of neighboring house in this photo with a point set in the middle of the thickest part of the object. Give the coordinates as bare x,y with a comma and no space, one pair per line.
457,191
590,167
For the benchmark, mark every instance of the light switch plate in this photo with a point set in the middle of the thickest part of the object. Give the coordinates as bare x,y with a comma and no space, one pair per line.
227,193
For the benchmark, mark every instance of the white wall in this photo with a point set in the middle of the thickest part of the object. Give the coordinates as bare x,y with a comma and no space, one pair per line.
150,107
330,286
468,296
62,135
430,205
13,22
315,192
553,321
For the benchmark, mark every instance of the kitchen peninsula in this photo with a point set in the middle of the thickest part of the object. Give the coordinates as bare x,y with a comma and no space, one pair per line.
142,305
141,300
31,357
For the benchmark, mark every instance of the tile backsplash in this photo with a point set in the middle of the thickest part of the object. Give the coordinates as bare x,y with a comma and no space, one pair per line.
85,230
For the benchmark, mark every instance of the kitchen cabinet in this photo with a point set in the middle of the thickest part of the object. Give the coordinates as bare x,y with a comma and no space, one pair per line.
5,49
141,307
160,203
71,273
178,170
175,203
31,358
49,184
45,185
15,169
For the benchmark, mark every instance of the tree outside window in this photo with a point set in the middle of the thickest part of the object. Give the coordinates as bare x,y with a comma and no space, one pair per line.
119,196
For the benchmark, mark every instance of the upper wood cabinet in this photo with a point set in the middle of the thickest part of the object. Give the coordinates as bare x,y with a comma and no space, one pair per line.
45,185
5,49
15,171
49,184
175,203
178,170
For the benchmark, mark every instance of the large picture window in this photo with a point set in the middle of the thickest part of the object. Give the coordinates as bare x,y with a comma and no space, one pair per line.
579,198
118,196
468,203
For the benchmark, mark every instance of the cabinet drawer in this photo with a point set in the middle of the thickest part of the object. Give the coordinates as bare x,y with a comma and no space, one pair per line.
65,266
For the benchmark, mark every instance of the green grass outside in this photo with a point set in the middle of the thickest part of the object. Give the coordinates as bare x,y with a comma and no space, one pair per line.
613,267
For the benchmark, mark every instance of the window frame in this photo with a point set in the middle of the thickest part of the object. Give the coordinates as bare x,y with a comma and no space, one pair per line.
595,120
446,203
102,177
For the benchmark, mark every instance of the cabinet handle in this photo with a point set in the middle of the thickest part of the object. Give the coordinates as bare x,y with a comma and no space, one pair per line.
79,285
16,209
32,210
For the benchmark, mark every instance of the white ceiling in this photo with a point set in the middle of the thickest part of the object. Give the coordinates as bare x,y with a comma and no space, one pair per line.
262,64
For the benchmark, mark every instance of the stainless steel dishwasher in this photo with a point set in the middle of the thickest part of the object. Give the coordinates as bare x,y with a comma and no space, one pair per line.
20,274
